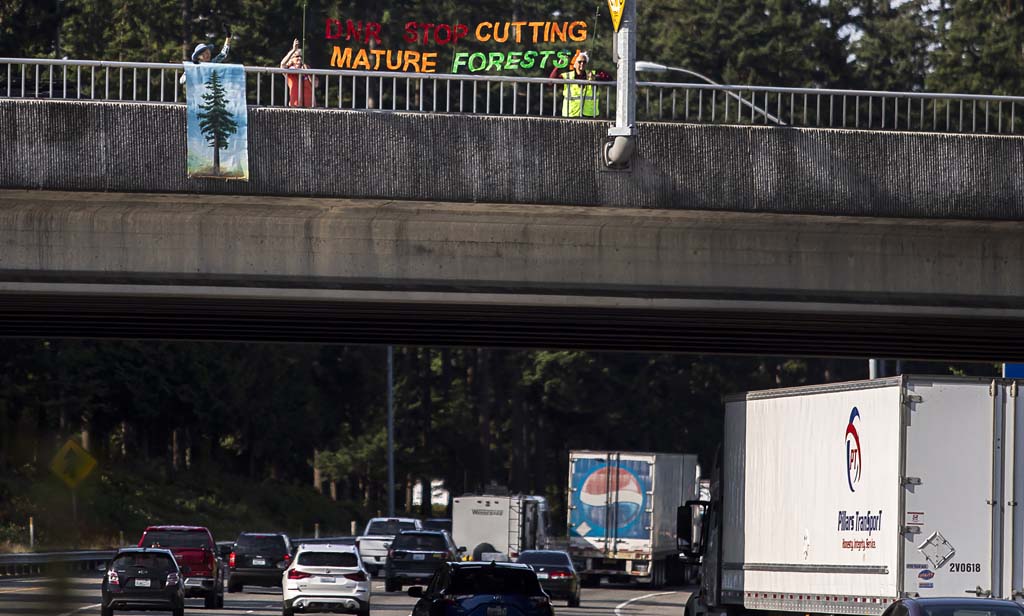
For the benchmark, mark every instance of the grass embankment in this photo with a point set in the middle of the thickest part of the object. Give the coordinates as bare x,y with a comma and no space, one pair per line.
112,502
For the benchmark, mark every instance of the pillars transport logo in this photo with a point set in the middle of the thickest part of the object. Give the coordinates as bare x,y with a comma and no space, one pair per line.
853,453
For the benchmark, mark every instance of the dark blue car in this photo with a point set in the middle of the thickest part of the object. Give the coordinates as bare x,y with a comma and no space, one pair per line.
954,607
482,589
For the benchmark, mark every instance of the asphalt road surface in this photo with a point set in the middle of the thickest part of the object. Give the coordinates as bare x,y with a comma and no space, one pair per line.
81,595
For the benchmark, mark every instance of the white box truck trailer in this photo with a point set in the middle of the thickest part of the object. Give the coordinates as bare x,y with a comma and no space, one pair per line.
839,499
622,512
496,527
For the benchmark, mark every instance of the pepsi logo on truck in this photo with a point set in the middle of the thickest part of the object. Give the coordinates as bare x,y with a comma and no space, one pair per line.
611,496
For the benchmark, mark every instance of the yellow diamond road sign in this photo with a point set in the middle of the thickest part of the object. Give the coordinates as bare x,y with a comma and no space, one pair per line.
615,8
72,463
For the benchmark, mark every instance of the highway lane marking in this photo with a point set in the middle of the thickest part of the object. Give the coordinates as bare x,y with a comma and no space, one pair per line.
5,592
82,609
641,597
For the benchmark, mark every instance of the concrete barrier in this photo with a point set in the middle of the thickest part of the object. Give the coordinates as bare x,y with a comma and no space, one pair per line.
64,145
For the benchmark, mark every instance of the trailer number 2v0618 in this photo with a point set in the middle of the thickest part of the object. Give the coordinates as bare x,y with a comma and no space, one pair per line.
965,567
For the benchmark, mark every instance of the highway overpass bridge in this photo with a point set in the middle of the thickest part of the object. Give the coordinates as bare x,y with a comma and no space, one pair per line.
436,228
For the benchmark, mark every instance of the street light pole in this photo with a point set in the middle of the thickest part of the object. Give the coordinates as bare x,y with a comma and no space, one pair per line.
654,67
305,4
618,150
391,433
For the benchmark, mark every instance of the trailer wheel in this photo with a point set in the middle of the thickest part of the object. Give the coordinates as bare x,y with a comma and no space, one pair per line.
675,571
482,549
691,605
657,574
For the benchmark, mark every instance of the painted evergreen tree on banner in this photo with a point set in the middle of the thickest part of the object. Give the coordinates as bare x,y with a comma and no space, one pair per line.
214,120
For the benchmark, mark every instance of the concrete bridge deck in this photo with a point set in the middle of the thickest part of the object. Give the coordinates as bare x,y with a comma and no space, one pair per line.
305,269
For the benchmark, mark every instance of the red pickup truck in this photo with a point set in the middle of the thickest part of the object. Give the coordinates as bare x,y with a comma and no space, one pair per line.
196,553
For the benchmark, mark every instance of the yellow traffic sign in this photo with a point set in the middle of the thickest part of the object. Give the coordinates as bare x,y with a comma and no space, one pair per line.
72,463
615,8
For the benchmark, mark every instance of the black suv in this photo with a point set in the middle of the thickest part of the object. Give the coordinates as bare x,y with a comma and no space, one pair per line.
415,555
258,559
144,578
478,589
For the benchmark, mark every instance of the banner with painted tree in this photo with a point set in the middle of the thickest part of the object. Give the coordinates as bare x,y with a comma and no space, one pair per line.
218,136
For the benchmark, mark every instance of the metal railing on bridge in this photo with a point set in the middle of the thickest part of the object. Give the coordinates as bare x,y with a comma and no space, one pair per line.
529,96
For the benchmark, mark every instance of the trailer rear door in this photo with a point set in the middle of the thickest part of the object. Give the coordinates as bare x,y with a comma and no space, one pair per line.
610,501
952,482
1013,513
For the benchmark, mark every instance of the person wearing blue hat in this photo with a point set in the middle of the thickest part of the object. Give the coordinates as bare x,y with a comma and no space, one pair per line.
203,52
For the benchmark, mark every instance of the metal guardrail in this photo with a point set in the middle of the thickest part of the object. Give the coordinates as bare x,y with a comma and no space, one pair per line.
149,82
38,563
825,108
529,96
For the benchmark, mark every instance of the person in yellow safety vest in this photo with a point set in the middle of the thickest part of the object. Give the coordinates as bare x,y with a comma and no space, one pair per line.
578,101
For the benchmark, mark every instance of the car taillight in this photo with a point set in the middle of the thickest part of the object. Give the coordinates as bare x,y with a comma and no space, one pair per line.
231,560
555,575
287,557
172,579
539,602
513,555
295,574
454,601
358,576
391,553
112,577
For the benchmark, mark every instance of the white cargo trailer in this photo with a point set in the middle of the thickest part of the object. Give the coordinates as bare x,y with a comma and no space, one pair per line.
496,527
839,499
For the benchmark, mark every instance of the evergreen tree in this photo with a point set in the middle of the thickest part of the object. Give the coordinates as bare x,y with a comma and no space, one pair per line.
762,42
980,47
893,51
29,28
215,121
781,43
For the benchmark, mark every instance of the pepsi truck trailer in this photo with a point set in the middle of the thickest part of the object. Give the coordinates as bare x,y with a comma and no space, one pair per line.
842,498
622,513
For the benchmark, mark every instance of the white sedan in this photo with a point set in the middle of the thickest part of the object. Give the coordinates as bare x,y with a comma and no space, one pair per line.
326,578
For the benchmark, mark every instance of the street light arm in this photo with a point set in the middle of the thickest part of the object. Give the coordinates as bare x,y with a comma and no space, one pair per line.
654,67
650,67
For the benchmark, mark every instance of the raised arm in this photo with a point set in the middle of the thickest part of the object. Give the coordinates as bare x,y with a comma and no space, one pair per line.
223,55
291,52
